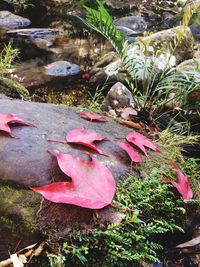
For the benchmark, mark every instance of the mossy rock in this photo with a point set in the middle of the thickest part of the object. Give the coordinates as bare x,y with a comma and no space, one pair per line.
18,209
13,89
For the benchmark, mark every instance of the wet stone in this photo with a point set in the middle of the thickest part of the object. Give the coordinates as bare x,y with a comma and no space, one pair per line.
12,21
131,25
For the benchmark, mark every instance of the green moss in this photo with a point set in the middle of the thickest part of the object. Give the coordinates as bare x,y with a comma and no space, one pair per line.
19,205
13,89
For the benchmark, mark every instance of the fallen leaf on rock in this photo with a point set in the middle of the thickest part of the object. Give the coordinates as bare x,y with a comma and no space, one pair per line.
92,186
92,117
135,157
11,118
82,137
132,124
127,113
182,185
141,142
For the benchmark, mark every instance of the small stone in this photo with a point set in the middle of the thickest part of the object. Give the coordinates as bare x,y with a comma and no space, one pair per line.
135,24
117,98
62,68
12,21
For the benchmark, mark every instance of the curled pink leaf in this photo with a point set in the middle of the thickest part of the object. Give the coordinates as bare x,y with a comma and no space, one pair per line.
182,185
92,117
134,156
82,137
92,186
11,118
141,142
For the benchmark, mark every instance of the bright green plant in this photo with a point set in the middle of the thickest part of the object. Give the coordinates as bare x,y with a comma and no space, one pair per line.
6,58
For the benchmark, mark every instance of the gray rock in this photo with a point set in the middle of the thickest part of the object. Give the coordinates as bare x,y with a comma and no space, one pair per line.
26,163
12,21
118,4
131,25
29,162
117,98
195,31
62,68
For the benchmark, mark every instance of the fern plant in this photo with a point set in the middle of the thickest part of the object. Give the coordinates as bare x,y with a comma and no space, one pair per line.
150,85
135,238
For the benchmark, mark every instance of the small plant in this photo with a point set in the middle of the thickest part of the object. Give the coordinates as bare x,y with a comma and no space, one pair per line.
19,4
6,58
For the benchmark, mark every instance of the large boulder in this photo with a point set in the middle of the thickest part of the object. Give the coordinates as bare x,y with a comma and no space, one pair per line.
178,41
25,163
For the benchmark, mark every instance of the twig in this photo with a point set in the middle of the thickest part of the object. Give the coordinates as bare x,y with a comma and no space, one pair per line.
121,208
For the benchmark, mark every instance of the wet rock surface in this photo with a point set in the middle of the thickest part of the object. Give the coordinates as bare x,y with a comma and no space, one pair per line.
12,21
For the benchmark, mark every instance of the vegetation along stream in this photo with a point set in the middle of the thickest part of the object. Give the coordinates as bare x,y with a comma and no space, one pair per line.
99,133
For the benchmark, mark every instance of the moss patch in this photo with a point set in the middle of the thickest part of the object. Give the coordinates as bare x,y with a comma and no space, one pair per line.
13,89
18,206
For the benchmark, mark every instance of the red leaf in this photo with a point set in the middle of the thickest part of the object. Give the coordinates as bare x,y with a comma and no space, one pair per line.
135,157
86,75
182,185
7,118
92,186
141,142
92,116
82,137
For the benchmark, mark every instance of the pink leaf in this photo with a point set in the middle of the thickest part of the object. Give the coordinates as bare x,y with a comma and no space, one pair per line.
182,185
11,118
92,116
92,186
135,157
128,112
141,142
82,137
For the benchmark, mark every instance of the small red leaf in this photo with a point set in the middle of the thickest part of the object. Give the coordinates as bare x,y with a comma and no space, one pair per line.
92,186
135,157
182,185
82,137
11,118
141,142
92,116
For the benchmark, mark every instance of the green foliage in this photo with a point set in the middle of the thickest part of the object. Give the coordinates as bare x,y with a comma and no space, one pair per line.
6,58
134,239
56,260
19,4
